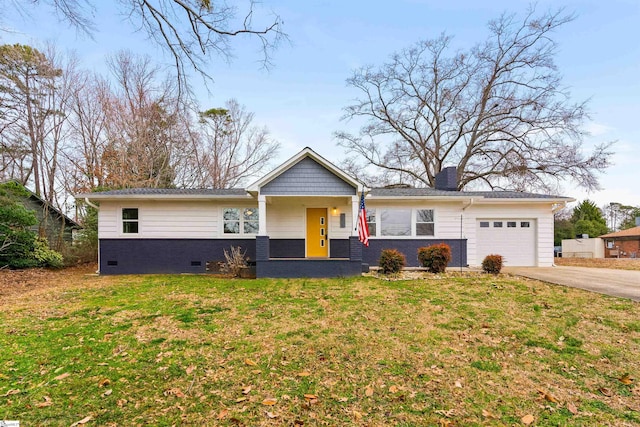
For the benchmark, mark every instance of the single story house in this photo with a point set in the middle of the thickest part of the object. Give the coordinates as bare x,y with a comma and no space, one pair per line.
623,243
51,223
299,221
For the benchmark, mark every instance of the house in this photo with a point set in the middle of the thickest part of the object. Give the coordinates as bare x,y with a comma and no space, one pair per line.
623,243
299,221
51,222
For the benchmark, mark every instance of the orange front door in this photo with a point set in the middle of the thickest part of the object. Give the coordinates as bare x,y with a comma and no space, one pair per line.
317,239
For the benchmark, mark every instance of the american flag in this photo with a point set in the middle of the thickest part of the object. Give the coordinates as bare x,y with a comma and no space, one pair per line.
363,227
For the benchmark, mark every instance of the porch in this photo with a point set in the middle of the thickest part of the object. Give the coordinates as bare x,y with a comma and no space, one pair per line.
287,267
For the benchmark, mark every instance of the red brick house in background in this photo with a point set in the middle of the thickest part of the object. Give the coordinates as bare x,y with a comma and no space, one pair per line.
622,244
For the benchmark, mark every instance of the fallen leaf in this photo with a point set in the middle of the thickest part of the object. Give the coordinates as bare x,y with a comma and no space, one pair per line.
605,391
222,414
104,382
626,379
62,376
298,423
304,374
271,415
256,371
47,402
368,391
175,392
487,414
548,396
82,421
103,364
270,401
241,399
122,402
310,396
458,384
250,362
10,392
527,419
107,393
190,369
357,415
246,389
572,408
393,389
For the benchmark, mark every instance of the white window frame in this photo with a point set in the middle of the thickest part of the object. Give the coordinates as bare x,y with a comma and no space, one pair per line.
123,221
241,221
414,217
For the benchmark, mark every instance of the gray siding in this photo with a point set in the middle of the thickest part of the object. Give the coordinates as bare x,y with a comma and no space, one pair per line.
308,177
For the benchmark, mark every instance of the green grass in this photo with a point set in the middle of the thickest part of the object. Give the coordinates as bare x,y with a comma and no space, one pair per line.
180,350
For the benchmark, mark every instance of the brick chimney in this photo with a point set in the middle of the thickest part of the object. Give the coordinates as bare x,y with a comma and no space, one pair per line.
447,179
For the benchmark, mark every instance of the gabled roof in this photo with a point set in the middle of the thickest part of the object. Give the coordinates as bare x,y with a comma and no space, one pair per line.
306,152
71,223
629,232
167,193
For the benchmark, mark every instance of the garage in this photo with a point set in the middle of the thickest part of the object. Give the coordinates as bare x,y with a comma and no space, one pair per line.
514,239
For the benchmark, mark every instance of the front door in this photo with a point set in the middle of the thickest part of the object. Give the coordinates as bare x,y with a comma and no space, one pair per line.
317,239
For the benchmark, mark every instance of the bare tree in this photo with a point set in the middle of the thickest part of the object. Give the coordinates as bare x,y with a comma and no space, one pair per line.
229,149
497,111
144,128
190,31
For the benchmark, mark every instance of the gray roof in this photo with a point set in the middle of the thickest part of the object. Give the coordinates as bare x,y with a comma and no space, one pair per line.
431,192
167,193
175,191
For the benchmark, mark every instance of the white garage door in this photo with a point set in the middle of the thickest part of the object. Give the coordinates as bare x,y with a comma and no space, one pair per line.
514,239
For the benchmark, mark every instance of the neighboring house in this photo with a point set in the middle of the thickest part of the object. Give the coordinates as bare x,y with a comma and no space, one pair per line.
623,243
51,223
299,221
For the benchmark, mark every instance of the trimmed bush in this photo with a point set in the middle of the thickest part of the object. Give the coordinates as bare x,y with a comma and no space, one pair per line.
492,264
435,258
391,261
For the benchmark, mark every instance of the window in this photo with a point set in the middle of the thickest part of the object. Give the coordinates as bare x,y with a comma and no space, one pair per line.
524,224
511,224
395,222
130,220
497,224
371,221
424,222
484,224
240,220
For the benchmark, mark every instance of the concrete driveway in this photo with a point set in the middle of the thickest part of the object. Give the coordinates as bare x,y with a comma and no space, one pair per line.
618,283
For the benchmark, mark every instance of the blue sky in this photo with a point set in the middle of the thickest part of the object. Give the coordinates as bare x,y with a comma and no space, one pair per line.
301,98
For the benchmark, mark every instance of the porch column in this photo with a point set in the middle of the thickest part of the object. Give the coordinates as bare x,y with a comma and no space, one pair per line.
355,202
262,215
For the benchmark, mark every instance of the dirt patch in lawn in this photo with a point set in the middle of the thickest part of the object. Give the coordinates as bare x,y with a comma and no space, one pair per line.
613,263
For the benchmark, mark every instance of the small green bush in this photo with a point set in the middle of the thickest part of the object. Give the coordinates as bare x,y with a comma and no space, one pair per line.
46,257
435,257
492,264
391,261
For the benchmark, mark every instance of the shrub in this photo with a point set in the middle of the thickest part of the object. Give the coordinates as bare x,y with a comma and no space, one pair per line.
435,258
236,261
492,264
391,261
46,257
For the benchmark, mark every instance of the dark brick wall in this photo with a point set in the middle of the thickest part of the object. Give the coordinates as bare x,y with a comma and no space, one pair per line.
409,247
286,248
287,268
142,256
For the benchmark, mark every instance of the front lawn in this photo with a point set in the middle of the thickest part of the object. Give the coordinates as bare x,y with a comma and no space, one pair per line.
456,349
